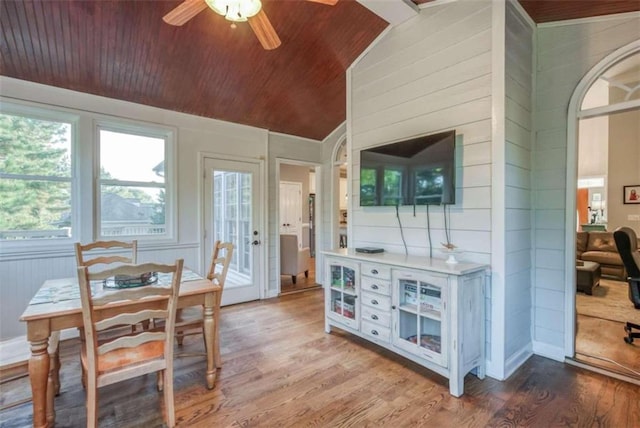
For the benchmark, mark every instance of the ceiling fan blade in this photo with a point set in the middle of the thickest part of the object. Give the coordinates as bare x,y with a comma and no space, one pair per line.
329,2
187,10
264,31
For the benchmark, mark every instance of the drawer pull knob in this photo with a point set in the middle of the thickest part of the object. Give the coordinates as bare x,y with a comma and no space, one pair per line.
374,287
374,302
374,271
374,317
374,332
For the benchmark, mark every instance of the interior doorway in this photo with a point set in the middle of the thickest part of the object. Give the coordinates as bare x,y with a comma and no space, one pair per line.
341,195
608,147
299,218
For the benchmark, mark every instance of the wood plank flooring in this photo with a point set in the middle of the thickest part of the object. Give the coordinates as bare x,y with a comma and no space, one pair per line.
281,370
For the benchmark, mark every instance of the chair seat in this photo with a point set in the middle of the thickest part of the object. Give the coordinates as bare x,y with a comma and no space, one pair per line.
121,358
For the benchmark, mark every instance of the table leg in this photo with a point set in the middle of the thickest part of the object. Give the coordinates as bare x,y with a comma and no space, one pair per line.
216,320
209,340
39,374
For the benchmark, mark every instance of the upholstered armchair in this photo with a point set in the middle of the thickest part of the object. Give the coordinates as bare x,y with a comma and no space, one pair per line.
293,260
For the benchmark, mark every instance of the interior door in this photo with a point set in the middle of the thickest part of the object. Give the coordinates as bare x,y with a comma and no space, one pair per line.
291,209
233,214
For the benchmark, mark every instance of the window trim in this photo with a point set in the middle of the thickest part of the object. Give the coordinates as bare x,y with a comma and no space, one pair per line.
9,247
169,134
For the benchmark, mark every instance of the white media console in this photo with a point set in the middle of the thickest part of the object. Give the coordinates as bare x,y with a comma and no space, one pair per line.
428,311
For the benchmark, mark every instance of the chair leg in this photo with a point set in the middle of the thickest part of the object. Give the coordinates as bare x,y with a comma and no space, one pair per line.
92,403
293,278
160,380
306,274
168,398
179,337
630,333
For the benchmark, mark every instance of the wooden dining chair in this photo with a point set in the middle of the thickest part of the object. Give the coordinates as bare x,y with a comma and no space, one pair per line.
189,321
127,355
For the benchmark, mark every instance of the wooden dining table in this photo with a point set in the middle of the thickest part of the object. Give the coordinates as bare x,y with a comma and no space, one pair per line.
55,307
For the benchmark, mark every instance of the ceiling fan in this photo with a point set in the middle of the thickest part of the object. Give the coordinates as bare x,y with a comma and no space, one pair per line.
235,11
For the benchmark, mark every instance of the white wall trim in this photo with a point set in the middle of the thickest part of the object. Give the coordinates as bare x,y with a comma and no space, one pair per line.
517,359
590,20
336,131
498,173
335,186
548,351
523,13
434,3
572,175
310,140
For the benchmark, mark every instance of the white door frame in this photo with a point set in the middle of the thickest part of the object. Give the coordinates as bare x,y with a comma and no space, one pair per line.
574,115
262,277
317,219
335,191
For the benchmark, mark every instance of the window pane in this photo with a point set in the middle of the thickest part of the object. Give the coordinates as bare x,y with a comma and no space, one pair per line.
31,209
34,147
618,84
130,157
132,211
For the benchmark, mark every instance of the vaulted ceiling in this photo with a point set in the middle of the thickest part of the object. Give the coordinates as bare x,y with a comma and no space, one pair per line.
122,49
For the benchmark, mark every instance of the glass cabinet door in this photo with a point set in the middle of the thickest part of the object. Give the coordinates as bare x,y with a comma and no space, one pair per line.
343,293
420,320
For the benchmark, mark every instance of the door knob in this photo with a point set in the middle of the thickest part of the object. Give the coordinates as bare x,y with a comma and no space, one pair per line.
256,242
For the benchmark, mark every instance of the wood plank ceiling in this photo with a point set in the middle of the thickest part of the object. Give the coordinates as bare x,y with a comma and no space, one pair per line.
122,49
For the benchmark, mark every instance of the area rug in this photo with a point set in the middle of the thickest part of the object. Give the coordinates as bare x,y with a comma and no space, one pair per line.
610,301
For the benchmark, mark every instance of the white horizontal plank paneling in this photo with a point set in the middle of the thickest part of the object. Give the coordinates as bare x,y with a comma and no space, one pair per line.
517,155
518,240
518,219
549,318
445,119
549,199
550,299
550,159
550,179
550,259
517,134
518,177
519,261
476,154
518,198
549,219
550,337
549,239
464,71
441,99
549,279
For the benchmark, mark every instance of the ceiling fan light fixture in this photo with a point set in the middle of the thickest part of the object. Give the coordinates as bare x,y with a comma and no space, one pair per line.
235,10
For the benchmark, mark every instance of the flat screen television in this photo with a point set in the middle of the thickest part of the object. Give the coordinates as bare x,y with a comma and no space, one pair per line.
418,171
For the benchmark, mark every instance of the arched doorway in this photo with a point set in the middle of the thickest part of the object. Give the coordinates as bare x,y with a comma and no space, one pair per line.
603,156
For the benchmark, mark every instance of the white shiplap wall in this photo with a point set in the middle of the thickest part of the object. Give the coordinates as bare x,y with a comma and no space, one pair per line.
565,53
22,274
430,74
519,69
285,147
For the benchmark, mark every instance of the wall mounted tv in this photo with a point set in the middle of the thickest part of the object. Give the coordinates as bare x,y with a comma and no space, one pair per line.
419,171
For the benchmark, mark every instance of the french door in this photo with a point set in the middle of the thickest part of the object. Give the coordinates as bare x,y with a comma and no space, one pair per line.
233,214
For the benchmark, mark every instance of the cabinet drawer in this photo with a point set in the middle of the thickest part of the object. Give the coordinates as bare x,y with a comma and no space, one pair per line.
376,285
376,331
375,271
376,301
376,315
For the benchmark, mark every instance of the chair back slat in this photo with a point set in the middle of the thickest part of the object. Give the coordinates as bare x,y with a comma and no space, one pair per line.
221,257
136,293
131,341
131,319
91,254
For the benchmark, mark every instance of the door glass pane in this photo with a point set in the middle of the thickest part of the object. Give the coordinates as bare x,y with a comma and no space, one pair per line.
232,213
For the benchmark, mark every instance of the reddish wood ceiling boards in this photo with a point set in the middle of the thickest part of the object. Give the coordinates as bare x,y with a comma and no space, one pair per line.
123,50
558,10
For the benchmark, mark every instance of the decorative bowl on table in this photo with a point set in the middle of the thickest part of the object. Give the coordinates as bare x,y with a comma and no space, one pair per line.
129,281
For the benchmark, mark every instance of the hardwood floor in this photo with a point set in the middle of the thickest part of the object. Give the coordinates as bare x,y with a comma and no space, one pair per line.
281,369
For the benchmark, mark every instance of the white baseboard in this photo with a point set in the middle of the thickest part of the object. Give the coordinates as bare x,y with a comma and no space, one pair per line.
549,351
516,360
271,294
494,372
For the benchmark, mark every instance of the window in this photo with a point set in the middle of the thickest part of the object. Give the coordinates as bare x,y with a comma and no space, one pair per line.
36,175
134,182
